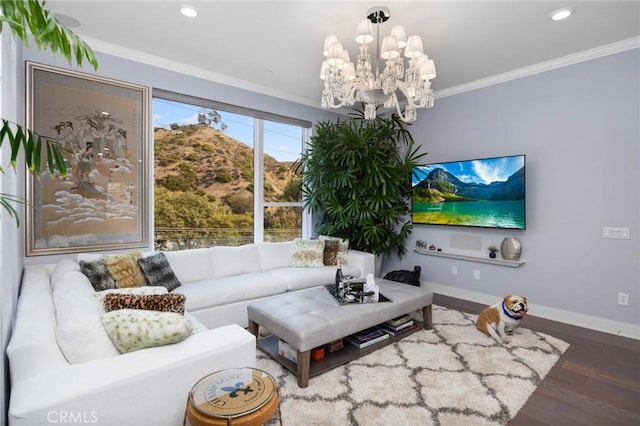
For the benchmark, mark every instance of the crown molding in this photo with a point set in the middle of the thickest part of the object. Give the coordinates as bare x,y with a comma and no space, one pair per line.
179,67
575,58
171,65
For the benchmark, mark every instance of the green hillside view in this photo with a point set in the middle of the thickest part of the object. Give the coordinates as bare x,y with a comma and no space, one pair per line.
204,190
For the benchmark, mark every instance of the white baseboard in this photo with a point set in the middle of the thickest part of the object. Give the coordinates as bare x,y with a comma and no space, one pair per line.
580,320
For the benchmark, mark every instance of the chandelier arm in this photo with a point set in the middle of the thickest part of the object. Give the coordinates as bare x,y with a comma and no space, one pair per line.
397,104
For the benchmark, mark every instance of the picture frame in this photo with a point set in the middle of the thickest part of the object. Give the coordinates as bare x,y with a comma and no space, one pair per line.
102,126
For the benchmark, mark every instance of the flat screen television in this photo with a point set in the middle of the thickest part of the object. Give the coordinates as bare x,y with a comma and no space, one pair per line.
486,192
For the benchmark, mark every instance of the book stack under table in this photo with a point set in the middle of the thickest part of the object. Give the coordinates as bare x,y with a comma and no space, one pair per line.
376,334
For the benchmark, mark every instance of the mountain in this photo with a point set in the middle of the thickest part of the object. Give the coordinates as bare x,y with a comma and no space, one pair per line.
441,185
201,158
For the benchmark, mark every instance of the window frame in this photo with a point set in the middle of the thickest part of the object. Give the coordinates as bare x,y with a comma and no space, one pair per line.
259,117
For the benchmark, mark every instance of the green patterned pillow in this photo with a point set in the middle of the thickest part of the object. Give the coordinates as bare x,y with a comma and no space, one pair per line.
133,329
307,253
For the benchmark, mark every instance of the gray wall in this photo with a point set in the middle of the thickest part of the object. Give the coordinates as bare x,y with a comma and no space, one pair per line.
579,128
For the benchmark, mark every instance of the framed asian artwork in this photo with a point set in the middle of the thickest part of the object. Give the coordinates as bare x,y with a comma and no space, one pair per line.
102,127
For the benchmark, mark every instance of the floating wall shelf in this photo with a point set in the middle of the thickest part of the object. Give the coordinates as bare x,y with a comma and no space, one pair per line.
500,262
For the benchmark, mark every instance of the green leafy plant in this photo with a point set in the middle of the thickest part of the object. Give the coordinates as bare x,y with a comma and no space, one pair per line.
24,17
492,248
357,176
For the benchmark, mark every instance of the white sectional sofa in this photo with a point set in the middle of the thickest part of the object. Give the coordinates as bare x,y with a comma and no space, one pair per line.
148,386
220,282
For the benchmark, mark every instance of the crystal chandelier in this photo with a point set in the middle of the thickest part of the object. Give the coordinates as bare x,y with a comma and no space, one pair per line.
346,83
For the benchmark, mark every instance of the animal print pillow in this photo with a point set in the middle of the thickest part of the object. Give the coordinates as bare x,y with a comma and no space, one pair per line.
330,257
343,248
149,302
307,253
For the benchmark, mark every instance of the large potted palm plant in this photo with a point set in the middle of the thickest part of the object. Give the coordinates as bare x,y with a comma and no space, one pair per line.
24,17
357,180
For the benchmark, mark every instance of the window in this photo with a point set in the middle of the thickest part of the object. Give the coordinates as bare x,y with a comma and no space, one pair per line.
224,175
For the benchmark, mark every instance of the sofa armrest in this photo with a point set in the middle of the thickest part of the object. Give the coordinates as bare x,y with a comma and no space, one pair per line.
157,379
364,261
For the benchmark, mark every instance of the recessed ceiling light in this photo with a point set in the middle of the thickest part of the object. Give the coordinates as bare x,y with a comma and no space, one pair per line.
560,14
189,11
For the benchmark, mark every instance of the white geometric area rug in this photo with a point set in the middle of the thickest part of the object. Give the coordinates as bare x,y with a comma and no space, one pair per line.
450,375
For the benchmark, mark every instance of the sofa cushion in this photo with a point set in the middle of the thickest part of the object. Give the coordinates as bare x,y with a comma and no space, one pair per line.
133,329
98,274
307,253
228,261
149,302
191,265
61,268
131,290
299,278
275,255
79,333
157,271
226,290
125,269
343,248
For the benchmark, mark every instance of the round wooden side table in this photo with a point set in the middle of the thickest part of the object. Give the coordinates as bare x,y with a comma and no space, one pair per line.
237,396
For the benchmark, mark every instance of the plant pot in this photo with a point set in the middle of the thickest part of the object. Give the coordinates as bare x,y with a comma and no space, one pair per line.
492,255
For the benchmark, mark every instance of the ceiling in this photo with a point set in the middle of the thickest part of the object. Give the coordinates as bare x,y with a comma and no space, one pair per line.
275,47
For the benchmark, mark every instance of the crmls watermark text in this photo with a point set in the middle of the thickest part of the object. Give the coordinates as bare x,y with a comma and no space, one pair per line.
72,417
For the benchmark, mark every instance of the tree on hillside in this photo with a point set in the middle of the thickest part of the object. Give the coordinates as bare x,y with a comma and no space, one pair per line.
211,117
184,215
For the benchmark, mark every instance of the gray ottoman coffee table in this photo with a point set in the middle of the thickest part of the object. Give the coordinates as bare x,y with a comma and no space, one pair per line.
307,319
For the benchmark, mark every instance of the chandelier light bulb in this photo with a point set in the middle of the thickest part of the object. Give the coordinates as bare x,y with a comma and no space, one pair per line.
389,48
327,44
414,47
364,32
400,34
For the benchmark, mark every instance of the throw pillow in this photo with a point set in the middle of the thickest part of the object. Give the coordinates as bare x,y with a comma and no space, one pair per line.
307,253
133,329
124,269
100,295
343,248
149,302
158,272
98,274
330,256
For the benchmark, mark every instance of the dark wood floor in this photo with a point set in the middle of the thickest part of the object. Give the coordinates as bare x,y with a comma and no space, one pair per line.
595,382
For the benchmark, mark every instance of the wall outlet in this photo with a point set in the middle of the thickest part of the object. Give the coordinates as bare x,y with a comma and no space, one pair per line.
623,299
476,274
454,270
615,233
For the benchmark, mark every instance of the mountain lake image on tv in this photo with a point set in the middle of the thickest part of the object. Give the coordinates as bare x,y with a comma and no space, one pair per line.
486,192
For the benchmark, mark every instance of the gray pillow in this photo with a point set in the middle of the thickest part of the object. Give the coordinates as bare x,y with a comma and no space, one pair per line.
158,272
98,274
